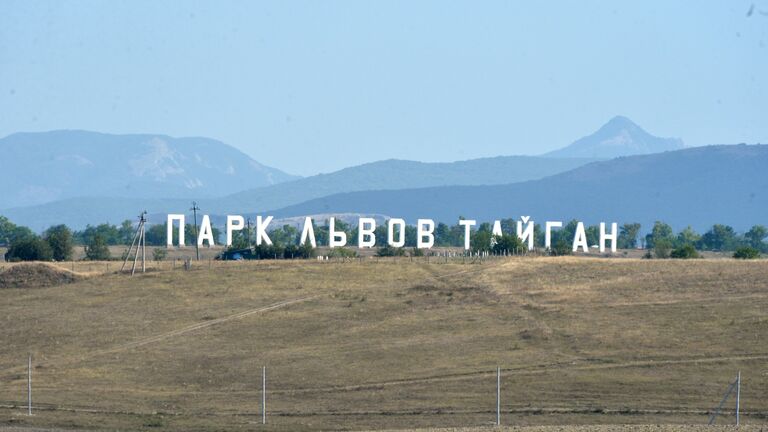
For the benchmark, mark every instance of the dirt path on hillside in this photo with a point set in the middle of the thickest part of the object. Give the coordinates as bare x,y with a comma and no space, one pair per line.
167,335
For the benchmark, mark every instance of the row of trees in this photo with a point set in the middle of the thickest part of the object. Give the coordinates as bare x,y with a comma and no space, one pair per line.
57,242
718,238
662,239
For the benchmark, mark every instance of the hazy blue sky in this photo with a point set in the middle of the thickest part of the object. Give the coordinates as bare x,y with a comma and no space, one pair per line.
315,86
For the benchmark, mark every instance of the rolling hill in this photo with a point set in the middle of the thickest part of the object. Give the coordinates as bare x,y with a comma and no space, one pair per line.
383,175
399,174
385,344
43,167
697,186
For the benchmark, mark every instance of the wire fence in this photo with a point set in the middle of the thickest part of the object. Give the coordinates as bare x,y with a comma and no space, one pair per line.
460,398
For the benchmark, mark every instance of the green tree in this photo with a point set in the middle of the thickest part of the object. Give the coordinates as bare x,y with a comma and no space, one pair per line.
10,232
628,235
561,247
381,234
662,247
299,251
240,240
285,235
410,236
97,249
126,232
109,233
593,235
265,251
719,237
481,241
156,235
566,234
442,235
660,231
688,237
507,243
29,249
60,240
755,237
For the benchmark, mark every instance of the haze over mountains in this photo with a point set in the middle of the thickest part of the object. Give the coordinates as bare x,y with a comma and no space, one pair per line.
90,178
619,137
699,187
383,175
49,166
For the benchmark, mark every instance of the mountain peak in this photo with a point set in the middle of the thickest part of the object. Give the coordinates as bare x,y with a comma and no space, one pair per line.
620,121
620,136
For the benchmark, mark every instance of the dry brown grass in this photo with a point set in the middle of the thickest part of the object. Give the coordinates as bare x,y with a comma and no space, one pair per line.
390,344
598,428
37,275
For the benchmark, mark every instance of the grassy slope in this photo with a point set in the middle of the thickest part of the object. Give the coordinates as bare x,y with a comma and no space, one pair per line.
391,345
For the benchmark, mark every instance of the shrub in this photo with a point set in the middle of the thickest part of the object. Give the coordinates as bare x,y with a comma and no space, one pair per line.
265,251
342,252
29,249
685,252
561,247
388,251
159,254
302,251
746,253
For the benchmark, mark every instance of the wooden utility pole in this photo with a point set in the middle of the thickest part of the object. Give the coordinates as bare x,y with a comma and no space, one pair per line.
194,209
139,239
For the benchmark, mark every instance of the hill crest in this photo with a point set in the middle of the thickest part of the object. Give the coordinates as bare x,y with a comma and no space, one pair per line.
619,137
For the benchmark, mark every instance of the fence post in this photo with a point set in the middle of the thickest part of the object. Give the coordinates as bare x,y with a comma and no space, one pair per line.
738,396
29,386
498,396
264,395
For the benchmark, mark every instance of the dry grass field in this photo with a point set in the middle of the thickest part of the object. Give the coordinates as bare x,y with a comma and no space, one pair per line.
387,344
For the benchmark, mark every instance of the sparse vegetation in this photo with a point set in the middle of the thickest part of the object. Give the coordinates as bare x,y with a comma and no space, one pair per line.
159,254
746,252
388,251
389,343
342,252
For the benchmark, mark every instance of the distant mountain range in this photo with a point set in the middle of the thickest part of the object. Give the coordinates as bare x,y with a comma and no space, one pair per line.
697,186
49,166
383,175
110,178
619,137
